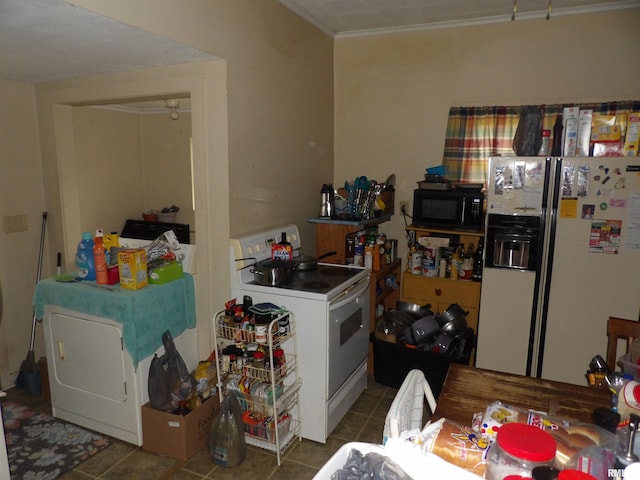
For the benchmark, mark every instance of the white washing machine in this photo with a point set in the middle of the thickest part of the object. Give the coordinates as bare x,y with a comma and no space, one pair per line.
92,377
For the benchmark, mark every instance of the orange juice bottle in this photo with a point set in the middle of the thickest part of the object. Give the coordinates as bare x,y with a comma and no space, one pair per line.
100,259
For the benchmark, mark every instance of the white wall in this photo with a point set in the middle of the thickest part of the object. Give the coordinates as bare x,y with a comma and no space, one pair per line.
393,92
21,193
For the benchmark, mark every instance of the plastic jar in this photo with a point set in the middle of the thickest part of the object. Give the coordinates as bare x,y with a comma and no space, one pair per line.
279,360
574,475
518,449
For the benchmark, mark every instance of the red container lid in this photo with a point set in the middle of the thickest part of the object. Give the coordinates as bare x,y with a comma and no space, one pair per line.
526,442
574,475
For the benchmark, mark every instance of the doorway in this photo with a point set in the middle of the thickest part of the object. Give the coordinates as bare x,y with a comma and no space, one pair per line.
205,85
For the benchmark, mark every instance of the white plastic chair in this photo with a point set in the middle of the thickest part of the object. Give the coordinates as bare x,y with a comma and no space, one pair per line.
406,410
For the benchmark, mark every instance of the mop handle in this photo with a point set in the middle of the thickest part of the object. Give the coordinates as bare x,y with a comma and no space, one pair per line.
44,225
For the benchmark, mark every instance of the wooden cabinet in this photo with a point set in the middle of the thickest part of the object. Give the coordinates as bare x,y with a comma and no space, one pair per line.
442,292
385,283
331,235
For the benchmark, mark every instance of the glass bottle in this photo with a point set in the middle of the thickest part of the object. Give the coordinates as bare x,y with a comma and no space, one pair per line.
556,148
477,262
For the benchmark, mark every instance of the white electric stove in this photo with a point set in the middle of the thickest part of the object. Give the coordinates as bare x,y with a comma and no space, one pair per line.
331,307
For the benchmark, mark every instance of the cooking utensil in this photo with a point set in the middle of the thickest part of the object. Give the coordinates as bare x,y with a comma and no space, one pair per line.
455,326
414,309
399,319
442,343
453,312
421,330
307,262
390,182
274,273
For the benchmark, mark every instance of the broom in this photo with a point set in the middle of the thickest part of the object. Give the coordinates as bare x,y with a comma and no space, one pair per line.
29,375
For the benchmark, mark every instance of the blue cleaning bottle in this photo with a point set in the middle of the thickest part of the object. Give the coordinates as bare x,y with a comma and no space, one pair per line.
85,265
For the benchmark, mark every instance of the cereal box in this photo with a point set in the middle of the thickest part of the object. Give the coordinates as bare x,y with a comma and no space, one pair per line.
632,137
132,264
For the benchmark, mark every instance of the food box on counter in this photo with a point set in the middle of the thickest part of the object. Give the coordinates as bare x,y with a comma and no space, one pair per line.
178,436
132,264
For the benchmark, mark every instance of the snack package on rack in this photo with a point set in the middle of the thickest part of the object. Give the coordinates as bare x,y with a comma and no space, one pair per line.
454,443
578,444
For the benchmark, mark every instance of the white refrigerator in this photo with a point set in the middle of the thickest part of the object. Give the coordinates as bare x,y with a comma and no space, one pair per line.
562,254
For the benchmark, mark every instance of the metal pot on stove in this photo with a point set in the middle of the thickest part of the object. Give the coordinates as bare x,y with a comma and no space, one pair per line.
274,273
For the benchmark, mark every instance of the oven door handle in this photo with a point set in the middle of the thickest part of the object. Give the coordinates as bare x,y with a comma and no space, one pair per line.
349,294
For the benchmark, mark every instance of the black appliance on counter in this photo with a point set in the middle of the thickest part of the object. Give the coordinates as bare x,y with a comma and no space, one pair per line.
456,208
152,230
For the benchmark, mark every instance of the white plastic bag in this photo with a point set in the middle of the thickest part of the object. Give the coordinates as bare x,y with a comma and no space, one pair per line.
227,446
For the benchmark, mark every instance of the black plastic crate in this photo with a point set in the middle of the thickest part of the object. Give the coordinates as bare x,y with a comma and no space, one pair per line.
392,362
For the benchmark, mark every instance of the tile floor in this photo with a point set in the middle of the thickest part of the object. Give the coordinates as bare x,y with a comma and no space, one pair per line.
121,460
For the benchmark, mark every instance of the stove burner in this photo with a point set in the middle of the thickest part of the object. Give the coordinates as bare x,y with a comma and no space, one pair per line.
313,286
337,272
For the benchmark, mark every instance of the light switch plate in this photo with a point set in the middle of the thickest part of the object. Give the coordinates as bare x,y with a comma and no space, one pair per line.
15,223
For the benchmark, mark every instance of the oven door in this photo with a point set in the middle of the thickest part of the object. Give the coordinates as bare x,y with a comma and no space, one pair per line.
348,333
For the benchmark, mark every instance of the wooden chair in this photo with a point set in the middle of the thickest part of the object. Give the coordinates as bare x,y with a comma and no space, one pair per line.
620,329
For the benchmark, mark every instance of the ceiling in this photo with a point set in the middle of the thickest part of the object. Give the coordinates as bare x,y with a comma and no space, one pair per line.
49,40
339,18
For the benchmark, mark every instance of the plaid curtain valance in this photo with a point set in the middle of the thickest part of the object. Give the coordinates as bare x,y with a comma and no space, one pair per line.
476,133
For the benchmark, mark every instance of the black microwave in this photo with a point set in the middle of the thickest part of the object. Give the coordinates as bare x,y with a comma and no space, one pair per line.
456,209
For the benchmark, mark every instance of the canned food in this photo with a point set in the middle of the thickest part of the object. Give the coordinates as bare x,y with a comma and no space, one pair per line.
261,334
415,264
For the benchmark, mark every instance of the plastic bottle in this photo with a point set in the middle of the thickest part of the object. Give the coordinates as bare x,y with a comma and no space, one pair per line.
282,250
100,259
85,266
455,265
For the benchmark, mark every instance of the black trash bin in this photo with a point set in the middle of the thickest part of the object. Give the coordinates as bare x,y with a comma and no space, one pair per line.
392,361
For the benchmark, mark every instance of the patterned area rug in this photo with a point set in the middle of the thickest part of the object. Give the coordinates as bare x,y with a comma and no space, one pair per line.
43,447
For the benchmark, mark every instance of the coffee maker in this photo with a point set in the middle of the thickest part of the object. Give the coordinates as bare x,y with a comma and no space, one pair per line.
327,201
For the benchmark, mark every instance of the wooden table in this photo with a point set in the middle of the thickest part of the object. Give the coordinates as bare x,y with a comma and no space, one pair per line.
468,390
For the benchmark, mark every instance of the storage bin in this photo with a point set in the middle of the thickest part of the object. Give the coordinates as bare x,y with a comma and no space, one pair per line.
392,362
632,368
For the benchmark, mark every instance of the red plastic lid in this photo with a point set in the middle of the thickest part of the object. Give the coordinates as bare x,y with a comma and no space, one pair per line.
258,355
278,352
575,475
516,477
526,442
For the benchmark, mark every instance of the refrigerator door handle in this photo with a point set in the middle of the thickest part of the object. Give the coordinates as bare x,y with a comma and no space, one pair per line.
552,216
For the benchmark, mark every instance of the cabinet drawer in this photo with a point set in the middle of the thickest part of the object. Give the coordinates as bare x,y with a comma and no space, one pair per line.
440,290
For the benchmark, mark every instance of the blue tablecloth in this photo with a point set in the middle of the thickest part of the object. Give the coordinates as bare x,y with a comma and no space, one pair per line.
145,314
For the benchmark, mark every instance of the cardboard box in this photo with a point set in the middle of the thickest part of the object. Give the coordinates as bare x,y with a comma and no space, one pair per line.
132,265
632,138
178,436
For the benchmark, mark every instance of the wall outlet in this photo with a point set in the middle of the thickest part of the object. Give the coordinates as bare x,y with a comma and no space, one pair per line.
404,207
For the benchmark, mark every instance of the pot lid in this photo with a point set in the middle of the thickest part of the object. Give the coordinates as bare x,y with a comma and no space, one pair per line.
271,263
